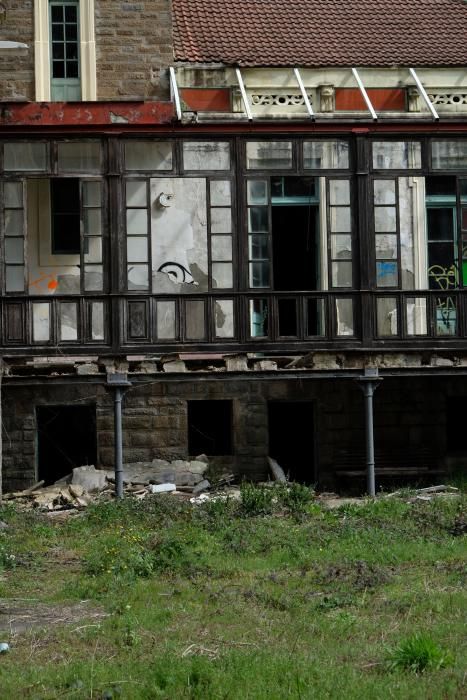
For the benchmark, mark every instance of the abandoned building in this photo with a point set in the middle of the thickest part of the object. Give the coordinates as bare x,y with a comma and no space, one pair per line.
236,216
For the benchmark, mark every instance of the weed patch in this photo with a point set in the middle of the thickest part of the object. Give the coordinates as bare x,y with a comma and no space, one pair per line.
419,653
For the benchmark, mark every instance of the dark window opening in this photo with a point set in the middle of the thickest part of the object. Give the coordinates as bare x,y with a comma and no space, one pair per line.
455,424
210,427
291,439
65,215
66,439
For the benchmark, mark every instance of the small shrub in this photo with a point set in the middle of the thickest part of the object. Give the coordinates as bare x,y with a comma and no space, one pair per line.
256,500
295,497
419,653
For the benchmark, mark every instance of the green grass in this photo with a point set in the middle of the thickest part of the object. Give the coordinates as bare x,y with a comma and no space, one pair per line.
270,597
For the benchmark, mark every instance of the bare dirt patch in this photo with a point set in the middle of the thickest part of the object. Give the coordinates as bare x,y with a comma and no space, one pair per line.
18,615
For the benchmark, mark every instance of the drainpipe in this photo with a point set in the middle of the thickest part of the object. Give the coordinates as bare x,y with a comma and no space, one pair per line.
118,381
368,383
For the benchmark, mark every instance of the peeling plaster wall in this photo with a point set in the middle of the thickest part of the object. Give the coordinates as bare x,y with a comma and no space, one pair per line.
179,235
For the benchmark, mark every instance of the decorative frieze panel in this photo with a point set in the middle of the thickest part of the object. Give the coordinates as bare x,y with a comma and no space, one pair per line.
454,100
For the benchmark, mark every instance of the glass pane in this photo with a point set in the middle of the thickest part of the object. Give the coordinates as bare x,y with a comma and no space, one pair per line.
384,191
194,319
341,274
41,322
386,246
97,320
386,316
137,319
222,275
14,278
259,274
258,318
224,318
221,221
137,249
287,312
92,220
165,315
339,192
138,277
68,321
80,157
206,155
148,155
449,154
25,156
341,247
269,154
13,194
136,193
257,192
258,247
416,321
93,278
340,219
13,222
408,221
325,154
93,250
315,318
220,193
92,194
389,155
137,222
14,250
344,317
446,316
386,274
258,220
221,248
385,219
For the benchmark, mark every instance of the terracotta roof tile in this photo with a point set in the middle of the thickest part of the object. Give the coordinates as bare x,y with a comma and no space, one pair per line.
321,32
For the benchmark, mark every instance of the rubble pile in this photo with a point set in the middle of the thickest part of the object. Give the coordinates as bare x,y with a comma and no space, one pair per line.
87,484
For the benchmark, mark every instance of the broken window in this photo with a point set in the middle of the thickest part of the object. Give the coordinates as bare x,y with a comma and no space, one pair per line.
209,428
206,155
137,232
448,155
267,155
65,215
324,155
22,156
14,236
221,230
148,155
397,155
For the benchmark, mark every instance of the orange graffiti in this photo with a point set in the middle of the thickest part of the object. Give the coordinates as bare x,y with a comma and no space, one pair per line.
52,284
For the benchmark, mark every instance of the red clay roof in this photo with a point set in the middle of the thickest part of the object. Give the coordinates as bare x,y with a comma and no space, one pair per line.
321,32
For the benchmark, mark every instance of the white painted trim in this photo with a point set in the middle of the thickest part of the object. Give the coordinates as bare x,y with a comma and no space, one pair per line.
87,51
323,235
420,233
42,50
365,95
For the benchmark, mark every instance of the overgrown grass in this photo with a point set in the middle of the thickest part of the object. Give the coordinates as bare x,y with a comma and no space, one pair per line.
271,596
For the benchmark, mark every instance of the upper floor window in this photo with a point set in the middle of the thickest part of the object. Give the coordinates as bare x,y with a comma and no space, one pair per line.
65,50
64,54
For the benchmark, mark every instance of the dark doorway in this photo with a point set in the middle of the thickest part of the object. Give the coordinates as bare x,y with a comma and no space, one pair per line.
209,427
66,439
291,438
295,248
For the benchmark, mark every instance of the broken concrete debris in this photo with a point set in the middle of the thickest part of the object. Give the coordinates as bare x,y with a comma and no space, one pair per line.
86,484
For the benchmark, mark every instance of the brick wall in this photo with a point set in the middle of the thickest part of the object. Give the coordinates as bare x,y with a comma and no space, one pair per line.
134,49
17,69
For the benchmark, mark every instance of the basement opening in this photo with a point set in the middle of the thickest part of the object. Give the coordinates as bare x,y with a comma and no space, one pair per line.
66,439
209,427
291,438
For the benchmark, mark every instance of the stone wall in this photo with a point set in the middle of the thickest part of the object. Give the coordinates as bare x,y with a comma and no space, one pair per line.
410,422
17,68
134,49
